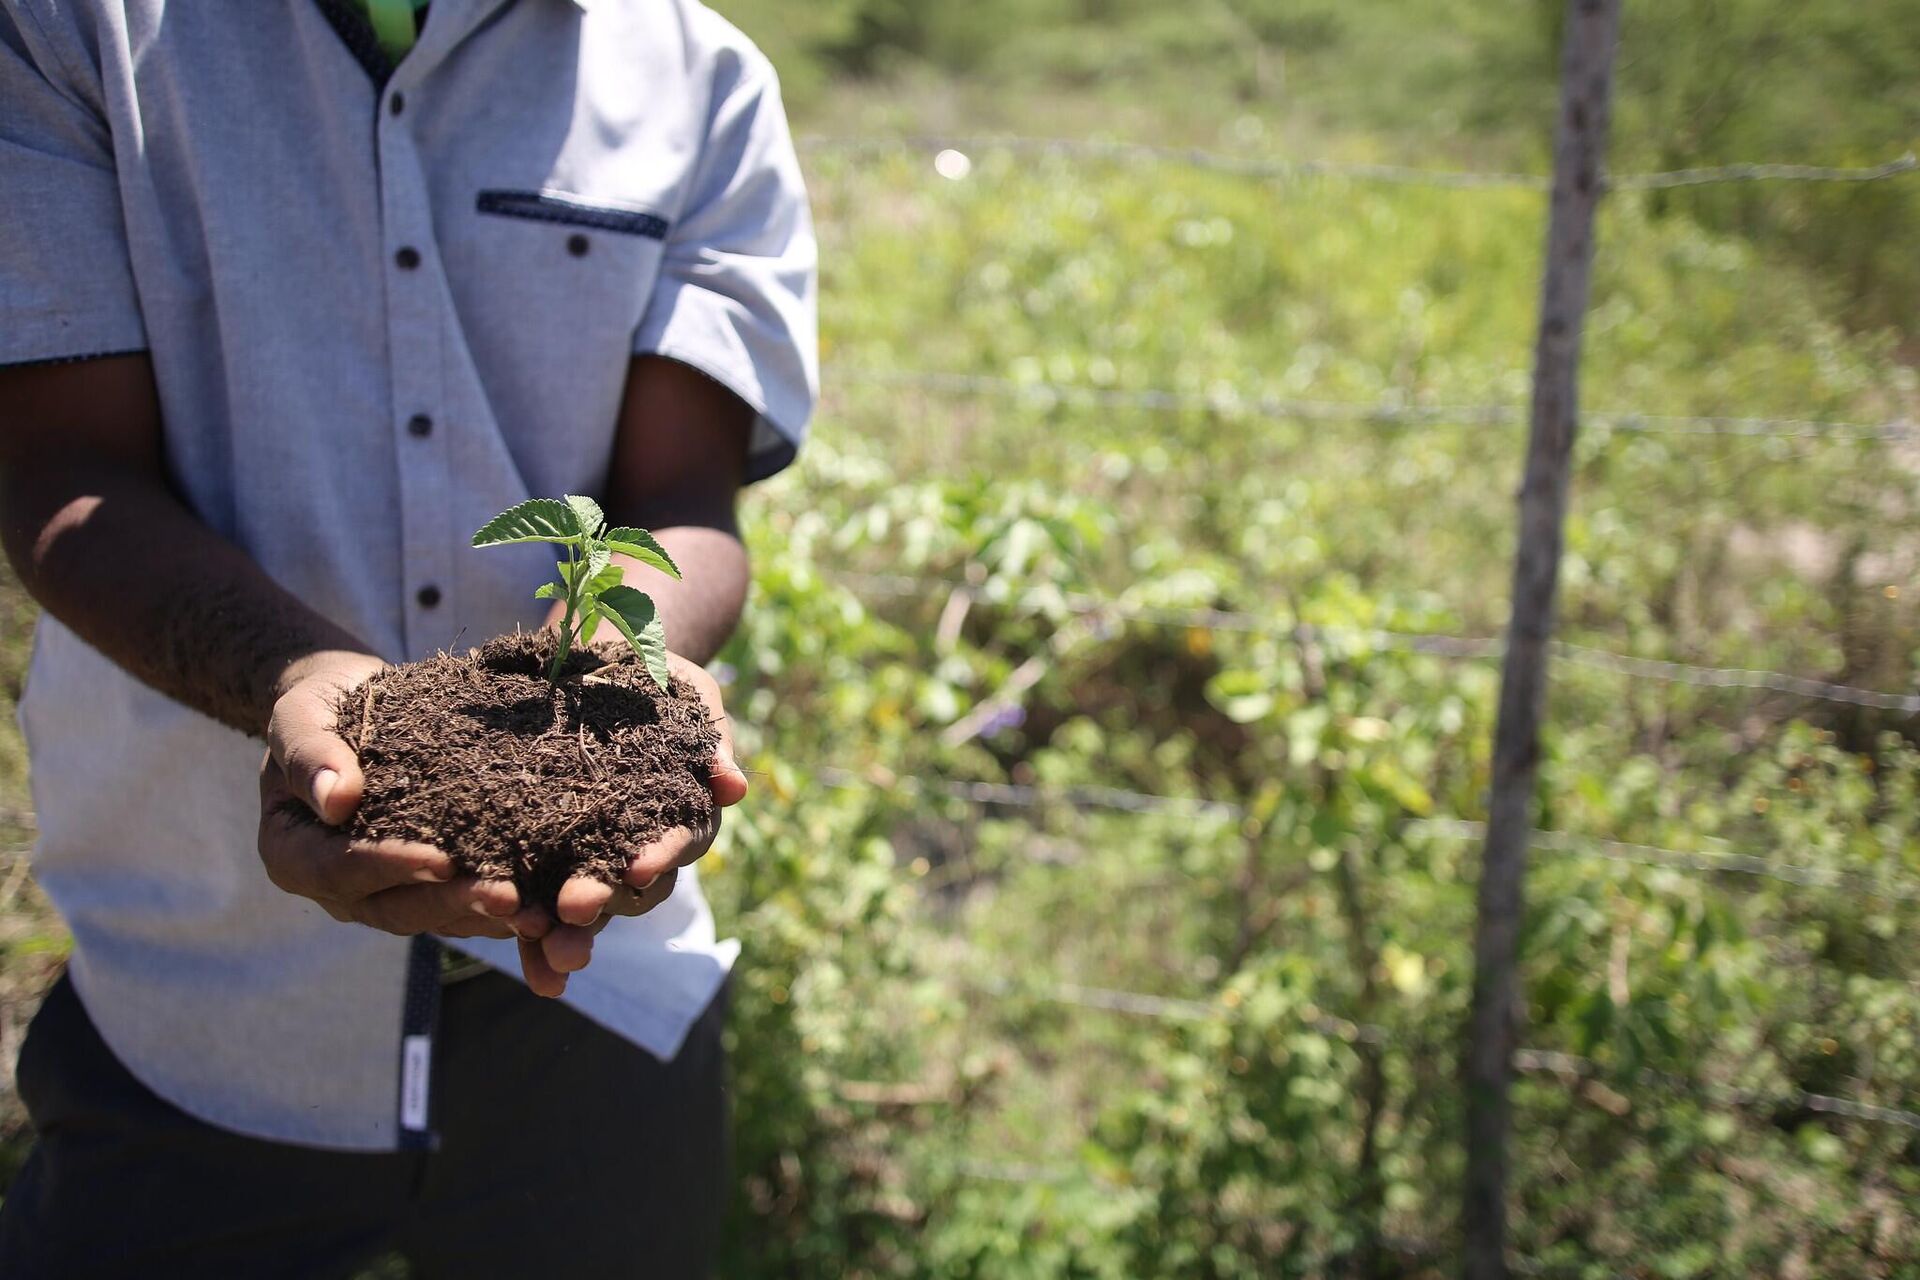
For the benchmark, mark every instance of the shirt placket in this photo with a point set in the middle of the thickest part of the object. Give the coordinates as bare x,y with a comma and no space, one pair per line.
416,337
417,304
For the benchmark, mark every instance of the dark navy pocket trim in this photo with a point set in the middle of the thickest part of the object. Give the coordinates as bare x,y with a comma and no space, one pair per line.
541,207
42,361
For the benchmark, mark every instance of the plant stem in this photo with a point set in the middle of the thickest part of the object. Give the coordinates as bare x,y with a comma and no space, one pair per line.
566,621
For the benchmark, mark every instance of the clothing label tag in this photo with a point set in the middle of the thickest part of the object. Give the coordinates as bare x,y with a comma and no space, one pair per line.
416,1053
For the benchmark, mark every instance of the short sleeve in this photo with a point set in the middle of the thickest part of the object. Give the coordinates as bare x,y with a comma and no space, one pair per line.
66,284
736,291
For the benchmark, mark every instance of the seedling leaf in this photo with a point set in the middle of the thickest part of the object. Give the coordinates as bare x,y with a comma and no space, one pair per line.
535,520
644,547
598,584
589,583
588,511
597,557
633,615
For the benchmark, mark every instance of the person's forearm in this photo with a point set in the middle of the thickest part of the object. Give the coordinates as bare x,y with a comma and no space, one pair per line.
118,559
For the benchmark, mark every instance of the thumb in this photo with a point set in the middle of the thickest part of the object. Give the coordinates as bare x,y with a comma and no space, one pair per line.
320,768
726,778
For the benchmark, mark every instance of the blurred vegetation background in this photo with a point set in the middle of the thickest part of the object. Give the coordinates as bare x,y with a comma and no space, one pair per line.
1042,1028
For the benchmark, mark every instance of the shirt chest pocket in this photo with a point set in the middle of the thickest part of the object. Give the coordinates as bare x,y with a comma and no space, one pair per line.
564,258
550,288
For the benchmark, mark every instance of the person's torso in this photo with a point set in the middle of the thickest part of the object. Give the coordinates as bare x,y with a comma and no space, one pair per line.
377,316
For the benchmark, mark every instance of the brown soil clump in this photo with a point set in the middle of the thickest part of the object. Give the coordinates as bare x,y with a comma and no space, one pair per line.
519,779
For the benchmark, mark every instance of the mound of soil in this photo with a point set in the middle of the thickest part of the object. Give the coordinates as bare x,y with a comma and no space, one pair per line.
519,779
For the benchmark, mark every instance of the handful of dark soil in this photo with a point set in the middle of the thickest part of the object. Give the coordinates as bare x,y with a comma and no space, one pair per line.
519,779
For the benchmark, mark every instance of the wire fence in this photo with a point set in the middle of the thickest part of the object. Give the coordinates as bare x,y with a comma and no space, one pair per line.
1706,861
1566,1067
1541,1064
1383,412
1545,1062
1527,1060
1274,167
1432,644
1117,800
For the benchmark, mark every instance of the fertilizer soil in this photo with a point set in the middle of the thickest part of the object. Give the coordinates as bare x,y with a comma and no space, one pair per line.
519,779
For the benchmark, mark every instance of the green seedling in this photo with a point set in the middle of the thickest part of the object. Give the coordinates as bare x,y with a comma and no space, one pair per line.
589,581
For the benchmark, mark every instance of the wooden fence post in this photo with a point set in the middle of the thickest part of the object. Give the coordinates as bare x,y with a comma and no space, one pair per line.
1586,76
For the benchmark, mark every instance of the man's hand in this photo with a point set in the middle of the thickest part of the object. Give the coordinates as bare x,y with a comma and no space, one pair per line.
550,950
312,776
310,783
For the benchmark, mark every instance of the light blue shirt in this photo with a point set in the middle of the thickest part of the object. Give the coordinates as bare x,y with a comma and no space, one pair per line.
377,316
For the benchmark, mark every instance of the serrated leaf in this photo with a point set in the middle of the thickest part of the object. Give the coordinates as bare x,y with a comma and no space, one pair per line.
535,520
548,591
633,615
596,561
644,547
592,519
653,651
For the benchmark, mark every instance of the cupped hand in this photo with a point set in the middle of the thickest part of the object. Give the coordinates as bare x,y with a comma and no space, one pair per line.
552,949
310,784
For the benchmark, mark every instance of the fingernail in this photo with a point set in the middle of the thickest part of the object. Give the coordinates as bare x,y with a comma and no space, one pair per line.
438,873
323,784
480,909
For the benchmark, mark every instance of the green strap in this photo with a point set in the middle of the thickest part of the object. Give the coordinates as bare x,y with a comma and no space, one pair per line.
393,25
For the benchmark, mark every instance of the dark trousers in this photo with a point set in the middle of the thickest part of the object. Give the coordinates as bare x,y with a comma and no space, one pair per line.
564,1150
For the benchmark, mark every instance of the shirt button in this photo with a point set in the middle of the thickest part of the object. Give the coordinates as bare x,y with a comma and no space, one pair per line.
397,102
428,597
407,258
420,425
577,245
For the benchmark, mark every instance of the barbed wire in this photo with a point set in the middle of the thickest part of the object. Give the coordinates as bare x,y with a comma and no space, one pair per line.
1105,999
1113,799
1382,412
1032,797
1434,644
1190,157
1272,167
1528,1061
1733,678
1704,860
1551,1062
1533,1061
1895,167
